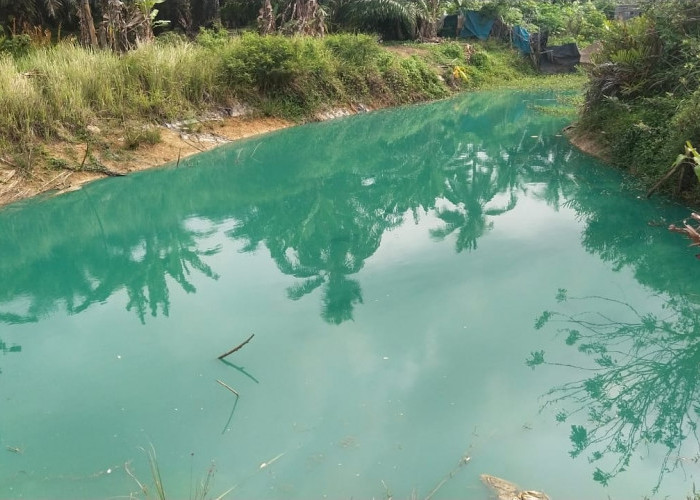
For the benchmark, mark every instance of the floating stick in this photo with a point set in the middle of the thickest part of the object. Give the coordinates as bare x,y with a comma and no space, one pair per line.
229,388
462,461
237,347
266,464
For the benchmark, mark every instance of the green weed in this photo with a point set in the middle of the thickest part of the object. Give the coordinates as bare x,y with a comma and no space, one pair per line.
135,136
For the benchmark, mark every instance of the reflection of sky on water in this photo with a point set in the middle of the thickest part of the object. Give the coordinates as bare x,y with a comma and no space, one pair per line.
416,264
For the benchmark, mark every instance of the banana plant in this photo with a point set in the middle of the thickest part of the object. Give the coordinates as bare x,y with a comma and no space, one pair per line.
147,9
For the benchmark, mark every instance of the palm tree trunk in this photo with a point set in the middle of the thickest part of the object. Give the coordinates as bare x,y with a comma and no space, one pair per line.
88,35
266,19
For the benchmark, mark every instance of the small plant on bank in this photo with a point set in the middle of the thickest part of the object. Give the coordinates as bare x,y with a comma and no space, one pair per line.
135,136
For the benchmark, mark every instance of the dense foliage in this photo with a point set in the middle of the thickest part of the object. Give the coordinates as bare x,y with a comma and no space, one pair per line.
644,93
580,20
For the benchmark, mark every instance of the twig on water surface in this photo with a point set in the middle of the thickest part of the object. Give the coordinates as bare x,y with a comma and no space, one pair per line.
691,232
179,152
226,492
462,461
387,491
270,462
131,475
229,388
15,449
237,347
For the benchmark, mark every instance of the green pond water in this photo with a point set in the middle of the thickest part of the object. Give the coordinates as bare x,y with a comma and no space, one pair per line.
423,284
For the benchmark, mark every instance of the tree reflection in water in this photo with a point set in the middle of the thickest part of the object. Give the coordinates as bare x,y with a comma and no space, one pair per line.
321,211
642,385
5,349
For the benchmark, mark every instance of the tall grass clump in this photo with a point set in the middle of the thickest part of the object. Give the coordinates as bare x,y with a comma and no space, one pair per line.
75,84
169,81
358,59
67,86
23,112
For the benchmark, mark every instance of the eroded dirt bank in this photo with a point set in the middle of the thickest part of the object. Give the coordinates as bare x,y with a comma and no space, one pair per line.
67,165
587,142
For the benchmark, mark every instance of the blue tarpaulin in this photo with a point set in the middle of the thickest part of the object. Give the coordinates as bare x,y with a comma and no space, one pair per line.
521,39
476,25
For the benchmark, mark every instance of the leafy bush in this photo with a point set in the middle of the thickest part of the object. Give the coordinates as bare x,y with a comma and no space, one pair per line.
136,135
268,63
17,45
355,50
479,59
215,38
449,52
644,91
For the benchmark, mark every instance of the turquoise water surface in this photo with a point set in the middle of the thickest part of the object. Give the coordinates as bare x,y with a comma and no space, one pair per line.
424,284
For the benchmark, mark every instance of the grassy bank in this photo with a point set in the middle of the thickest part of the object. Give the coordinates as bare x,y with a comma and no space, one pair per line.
57,92
107,105
645,137
643,95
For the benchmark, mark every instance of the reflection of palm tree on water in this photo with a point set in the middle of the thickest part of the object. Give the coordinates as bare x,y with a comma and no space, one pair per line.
5,349
642,387
321,216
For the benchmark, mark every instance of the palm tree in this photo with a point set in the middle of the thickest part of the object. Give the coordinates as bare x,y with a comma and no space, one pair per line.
419,17
33,12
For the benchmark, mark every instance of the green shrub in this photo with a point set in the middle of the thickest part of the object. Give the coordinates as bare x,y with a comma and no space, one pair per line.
216,38
354,50
267,63
136,135
451,50
17,45
479,60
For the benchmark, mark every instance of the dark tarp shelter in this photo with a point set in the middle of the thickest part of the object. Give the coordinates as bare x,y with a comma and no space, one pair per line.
450,26
559,59
476,25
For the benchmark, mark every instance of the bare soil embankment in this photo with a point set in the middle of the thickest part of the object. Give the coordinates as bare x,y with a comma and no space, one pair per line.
114,158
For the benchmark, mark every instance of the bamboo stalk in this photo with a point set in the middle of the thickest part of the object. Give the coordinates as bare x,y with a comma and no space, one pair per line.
237,347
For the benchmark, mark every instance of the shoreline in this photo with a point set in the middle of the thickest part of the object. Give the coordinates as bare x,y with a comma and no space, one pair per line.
177,141
587,143
16,185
